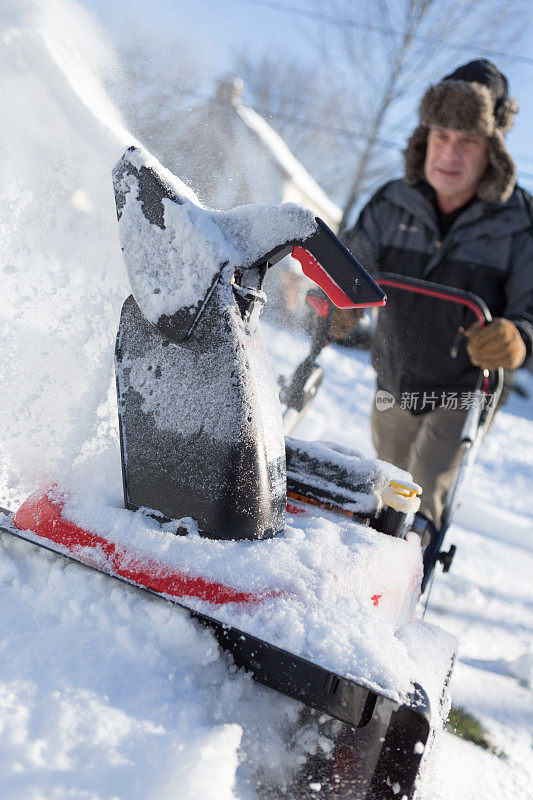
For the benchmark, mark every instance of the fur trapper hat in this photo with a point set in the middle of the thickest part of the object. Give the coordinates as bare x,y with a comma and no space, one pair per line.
473,98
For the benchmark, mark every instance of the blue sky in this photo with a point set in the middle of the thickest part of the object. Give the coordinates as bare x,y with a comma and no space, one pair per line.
216,29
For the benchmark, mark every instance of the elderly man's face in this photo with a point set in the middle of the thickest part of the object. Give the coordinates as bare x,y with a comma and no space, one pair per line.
455,163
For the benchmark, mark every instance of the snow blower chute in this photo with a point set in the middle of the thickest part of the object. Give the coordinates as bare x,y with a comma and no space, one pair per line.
202,447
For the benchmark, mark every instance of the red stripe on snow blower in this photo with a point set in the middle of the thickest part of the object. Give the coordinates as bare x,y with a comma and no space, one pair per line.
42,516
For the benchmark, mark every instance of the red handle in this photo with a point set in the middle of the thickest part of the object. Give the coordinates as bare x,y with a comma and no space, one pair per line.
313,270
320,304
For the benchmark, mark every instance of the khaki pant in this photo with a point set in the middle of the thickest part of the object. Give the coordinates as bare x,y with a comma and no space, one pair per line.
426,445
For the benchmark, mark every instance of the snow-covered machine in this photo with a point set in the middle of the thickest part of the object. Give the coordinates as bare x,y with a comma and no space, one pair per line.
296,555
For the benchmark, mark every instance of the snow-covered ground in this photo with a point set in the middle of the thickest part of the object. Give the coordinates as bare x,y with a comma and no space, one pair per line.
103,693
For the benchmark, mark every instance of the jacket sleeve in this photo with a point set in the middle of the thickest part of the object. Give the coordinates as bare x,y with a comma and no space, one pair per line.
519,289
363,240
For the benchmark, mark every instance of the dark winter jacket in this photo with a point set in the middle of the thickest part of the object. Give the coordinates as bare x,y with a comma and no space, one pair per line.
487,250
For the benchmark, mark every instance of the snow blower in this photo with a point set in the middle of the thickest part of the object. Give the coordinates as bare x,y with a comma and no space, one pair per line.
294,554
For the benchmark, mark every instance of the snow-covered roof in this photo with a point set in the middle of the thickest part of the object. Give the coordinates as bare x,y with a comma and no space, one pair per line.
231,156
316,197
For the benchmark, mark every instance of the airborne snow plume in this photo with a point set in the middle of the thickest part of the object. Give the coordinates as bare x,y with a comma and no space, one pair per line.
60,263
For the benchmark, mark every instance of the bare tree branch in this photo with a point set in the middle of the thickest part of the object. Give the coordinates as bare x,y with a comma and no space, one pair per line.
410,49
347,115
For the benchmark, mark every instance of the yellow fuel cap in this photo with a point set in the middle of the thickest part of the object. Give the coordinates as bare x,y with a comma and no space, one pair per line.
402,496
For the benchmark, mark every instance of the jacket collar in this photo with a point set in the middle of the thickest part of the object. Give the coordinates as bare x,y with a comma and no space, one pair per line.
478,219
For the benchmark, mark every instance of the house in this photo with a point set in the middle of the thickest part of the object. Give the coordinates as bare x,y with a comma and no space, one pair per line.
231,156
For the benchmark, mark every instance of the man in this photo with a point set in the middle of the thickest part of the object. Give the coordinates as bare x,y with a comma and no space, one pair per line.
458,219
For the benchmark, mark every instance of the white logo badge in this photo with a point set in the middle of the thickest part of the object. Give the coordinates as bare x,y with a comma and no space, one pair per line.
384,400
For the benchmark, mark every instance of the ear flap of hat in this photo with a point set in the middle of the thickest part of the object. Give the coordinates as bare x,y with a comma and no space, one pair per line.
505,114
414,155
499,179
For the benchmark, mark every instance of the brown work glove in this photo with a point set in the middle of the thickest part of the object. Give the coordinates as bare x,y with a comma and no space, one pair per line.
498,344
343,322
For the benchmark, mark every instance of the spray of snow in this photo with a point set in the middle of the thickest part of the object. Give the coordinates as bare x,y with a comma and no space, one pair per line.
60,262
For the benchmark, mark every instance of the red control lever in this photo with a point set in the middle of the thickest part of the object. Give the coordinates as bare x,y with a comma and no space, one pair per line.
315,272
